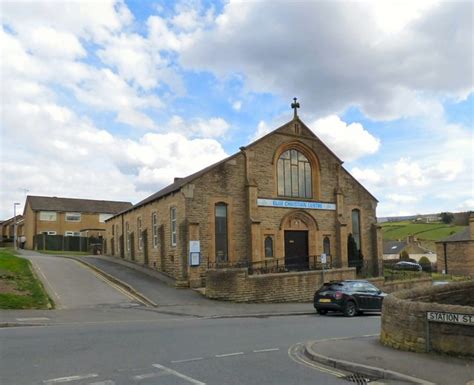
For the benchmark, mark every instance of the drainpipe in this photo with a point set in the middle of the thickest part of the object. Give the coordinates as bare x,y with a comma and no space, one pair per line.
445,258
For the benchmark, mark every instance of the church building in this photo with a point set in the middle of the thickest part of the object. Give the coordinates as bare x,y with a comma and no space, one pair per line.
280,202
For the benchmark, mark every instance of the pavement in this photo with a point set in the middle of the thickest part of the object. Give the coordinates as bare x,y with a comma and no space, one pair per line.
364,355
367,356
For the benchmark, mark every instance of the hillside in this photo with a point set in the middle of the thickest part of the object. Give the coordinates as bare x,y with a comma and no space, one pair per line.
427,233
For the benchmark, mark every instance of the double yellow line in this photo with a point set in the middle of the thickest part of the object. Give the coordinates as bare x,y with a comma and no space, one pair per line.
299,358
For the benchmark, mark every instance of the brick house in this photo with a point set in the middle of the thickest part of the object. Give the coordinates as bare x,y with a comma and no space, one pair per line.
458,251
284,197
67,216
7,227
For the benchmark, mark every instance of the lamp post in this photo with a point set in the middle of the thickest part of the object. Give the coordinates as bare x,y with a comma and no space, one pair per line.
14,225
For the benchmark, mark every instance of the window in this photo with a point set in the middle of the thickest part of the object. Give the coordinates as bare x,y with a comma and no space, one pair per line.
48,216
73,217
268,247
173,225
104,217
221,232
113,230
127,240
294,175
327,246
154,223
140,235
49,232
72,234
356,227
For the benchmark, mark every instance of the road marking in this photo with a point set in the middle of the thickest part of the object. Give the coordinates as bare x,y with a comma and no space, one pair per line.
228,354
266,350
106,382
48,283
33,319
69,379
178,374
187,360
300,360
145,376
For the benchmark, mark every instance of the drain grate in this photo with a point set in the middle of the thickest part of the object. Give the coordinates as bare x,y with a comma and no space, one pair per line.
359,379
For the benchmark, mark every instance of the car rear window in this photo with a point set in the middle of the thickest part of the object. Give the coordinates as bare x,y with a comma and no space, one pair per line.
333,286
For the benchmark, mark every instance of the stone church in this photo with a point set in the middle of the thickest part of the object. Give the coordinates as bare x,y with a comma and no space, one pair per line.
280,202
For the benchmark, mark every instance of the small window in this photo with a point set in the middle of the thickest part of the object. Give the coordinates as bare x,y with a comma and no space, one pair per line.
48,216
73,217
268,247
221,232
49,232
127,233
154,221
104,217
140,235
173,225
72,234
327,246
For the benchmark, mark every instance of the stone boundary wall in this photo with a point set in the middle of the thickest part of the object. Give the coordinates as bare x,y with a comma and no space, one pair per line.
404,323
236,285
392,286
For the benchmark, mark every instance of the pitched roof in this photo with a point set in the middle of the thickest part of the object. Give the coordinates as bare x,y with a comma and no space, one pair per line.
76,205
464,235
393,247
180,182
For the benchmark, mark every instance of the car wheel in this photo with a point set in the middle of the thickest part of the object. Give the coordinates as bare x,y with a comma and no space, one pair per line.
322,311
350,309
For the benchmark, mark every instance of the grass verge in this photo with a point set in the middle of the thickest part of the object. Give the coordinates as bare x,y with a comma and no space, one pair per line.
51,252
19,287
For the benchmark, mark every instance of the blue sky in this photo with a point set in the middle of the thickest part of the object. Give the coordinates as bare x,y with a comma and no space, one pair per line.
113,99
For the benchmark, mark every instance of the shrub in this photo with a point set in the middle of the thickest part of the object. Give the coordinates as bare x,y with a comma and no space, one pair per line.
425,264
404,255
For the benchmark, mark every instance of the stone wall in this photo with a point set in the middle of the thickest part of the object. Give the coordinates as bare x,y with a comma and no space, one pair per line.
460,257
404,324
392,286
236,285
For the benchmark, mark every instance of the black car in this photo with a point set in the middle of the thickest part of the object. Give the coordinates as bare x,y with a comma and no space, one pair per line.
350,297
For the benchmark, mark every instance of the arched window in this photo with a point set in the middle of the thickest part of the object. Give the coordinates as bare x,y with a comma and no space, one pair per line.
327,246
356,227
268,247
221,232
294,175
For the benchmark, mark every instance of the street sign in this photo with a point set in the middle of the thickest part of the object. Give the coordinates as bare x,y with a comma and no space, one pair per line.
450,318
323,258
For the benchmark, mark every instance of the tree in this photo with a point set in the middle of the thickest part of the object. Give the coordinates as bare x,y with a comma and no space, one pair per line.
447,217
404,255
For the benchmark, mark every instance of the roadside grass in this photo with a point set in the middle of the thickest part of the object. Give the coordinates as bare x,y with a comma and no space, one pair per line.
449,277
52,252
395,275
19,287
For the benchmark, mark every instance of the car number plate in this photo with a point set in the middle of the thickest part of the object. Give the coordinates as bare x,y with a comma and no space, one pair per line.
324,300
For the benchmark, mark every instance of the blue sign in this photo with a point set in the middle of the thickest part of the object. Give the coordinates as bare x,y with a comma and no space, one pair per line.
296,204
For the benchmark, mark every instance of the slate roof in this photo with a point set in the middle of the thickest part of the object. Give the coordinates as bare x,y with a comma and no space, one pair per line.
180,182
393,247
458,237
76,205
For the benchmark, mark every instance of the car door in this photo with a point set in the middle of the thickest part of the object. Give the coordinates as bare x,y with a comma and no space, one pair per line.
374,297
359,292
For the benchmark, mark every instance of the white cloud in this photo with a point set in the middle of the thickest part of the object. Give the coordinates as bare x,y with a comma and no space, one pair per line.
467,205
211,128
403,198
237,105
349,142
262,130
344,55
366,175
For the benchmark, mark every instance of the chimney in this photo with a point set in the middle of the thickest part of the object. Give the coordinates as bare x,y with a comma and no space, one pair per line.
471,226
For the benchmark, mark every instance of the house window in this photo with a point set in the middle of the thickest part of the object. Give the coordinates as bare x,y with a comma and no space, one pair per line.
356,227
173,225
140,235
154,222
127,240
327,246
221,232
113,229
49,232
294,175
104,217
72,234
48,216
73,217
268,247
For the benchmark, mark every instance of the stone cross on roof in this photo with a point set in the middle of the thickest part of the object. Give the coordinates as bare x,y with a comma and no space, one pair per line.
295,105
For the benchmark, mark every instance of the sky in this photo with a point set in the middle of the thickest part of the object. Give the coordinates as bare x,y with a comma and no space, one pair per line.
113,99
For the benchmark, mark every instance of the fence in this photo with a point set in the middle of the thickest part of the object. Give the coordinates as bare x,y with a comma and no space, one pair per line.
277,265
92,245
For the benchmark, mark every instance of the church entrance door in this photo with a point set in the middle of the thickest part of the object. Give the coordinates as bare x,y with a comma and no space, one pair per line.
296,250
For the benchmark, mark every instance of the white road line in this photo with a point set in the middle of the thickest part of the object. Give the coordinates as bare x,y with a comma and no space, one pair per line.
178,374
187,360
228,354
69,379
266,350
48,283
106,382
33,319
145,376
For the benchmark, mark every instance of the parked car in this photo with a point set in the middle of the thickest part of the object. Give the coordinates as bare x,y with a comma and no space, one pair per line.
406,265
350,297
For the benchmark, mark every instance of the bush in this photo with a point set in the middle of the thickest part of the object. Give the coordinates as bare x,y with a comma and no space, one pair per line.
425,264
404,255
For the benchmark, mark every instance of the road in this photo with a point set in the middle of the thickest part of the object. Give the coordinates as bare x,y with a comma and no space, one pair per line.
102,336
176,351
